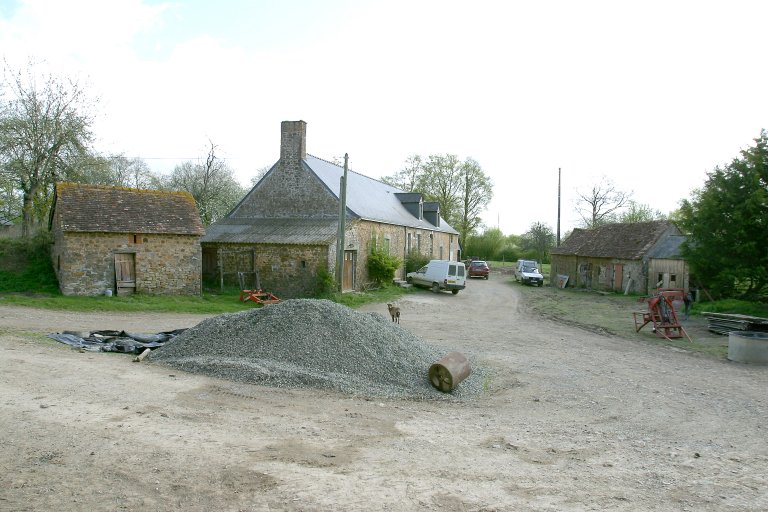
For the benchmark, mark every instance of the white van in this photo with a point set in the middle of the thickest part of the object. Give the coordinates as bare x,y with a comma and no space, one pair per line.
440,275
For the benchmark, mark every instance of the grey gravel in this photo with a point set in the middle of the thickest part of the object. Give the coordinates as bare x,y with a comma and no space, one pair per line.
314,343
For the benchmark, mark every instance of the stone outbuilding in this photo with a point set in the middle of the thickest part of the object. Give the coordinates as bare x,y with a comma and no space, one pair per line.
285,230
119,240
629,257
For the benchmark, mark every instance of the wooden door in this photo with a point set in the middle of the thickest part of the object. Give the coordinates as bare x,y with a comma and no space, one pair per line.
125,273
348,274
618,276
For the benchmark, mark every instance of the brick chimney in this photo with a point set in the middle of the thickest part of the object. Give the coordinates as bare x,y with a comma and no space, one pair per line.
293,142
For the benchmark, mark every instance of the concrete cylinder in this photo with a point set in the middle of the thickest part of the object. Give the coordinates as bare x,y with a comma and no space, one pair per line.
748,347
449,371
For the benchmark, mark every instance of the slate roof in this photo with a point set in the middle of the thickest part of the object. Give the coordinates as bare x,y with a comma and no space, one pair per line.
273,231
96,208
371,199
631,241
367,199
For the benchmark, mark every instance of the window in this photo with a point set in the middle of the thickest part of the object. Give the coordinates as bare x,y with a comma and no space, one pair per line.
408,244
386,244
418,242
672,280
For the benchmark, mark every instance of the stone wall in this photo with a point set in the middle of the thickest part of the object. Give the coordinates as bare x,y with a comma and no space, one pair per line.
427,242
164,264
288,271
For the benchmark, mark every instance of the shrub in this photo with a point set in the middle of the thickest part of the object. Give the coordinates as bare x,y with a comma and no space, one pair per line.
325,284
415,261
26,267
382,266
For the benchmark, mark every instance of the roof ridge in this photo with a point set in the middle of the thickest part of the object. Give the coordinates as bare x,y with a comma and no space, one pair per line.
358,173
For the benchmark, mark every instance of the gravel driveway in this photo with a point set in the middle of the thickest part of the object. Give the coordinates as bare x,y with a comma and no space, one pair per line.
570,420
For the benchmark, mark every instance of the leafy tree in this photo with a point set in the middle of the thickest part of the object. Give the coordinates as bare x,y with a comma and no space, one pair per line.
476,194
10,198
539,239
600,204
462,189
45,132
727,223
260,173
486,245
408,178
637,212
212,184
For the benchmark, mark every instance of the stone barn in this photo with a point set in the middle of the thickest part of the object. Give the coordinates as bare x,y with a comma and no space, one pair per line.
119,240
284,232
628,257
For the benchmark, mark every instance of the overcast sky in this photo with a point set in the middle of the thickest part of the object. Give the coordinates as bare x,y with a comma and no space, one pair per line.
650,94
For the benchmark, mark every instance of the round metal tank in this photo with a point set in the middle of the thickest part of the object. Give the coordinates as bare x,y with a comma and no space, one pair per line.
748,347
449,371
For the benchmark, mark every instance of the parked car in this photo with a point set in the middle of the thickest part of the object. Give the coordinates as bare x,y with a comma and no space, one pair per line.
440,275
478,268
524,263
530,275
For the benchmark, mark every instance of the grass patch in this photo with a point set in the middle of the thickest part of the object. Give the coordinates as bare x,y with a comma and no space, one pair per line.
612,314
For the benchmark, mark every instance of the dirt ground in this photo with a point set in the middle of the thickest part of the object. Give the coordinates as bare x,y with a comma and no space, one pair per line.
572,420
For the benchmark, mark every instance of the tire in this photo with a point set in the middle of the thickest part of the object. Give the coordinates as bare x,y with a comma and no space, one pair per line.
454,292
435,288
486,278
409,280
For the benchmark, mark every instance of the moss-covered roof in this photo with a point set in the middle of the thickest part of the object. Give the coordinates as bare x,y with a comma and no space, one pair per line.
97,208
626,241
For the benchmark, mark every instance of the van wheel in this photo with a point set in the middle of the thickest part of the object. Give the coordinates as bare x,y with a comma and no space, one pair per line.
435,288
409,280
454,292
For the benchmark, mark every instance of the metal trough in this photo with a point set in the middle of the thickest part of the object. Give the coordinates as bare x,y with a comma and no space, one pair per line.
748,347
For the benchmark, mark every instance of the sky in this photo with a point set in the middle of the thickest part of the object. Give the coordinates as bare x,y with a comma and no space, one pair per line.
649,95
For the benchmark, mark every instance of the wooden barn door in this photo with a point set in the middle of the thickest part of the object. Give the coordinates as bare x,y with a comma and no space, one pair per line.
125,273
618,276
348,274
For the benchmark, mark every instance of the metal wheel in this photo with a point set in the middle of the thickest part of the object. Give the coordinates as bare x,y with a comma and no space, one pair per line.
435,288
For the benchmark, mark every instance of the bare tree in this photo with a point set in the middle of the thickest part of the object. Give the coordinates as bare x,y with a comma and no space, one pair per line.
131,172
45,134
212,184
637,212
600,204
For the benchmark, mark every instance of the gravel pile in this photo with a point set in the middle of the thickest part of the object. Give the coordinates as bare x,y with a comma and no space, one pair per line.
313,343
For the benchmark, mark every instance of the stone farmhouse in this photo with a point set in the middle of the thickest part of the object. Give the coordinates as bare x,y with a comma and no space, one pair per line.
283,234
633,258
117,240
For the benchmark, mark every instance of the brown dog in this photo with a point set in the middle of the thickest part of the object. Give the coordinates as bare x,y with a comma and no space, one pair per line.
394,312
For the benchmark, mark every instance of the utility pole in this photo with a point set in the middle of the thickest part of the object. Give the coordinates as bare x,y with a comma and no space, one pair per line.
558,207
342,227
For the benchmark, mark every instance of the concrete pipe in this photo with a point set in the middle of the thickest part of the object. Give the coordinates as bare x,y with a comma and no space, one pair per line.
449,371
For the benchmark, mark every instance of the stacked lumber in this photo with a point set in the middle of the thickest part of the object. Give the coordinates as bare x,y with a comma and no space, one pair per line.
723,323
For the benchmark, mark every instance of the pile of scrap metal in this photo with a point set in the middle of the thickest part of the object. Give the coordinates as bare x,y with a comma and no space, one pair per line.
115,341
723,323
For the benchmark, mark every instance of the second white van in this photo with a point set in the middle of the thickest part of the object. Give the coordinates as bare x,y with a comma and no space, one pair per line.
440,275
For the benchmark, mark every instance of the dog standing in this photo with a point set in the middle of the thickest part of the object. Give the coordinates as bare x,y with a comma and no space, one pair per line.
394,312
